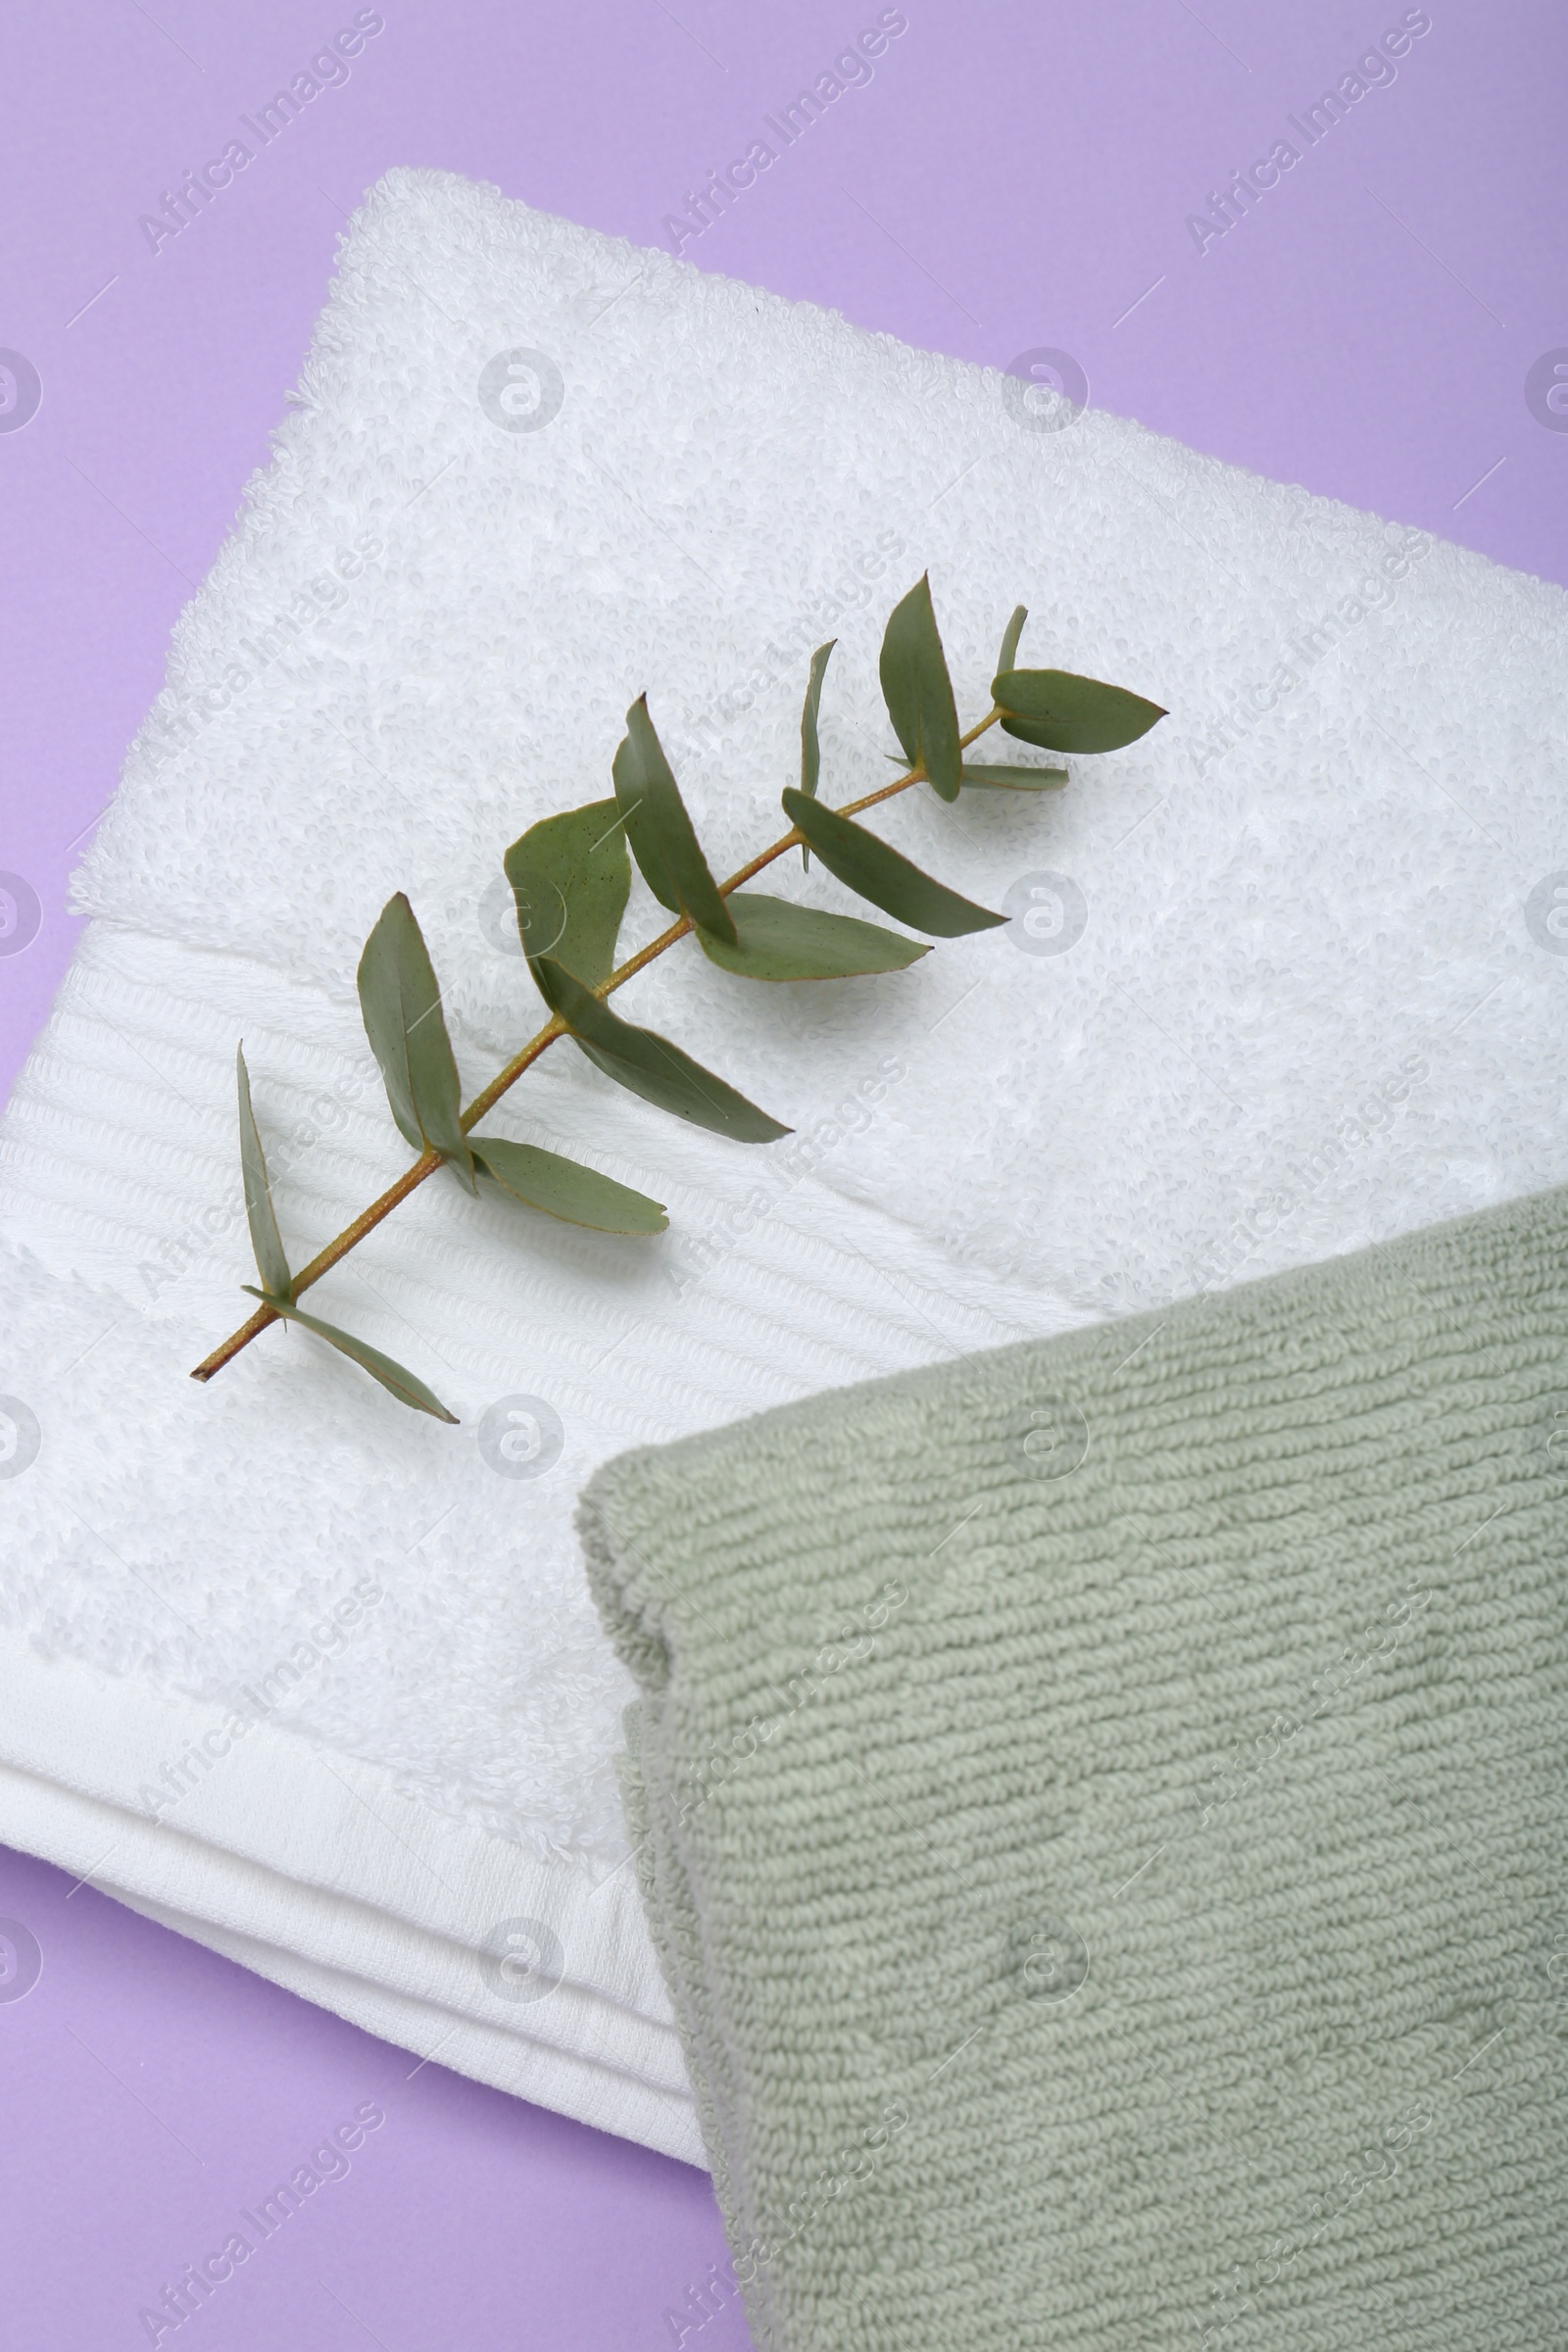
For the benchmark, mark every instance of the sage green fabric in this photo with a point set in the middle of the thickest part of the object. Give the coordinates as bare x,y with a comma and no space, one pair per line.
1102,1815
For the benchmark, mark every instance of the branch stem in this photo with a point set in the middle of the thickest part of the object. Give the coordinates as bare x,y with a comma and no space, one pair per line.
429,1161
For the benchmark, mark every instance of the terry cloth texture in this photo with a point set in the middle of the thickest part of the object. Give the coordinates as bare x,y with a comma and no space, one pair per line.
1271,995
1102,1816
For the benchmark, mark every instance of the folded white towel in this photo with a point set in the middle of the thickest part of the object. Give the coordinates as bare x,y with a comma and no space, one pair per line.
318,1680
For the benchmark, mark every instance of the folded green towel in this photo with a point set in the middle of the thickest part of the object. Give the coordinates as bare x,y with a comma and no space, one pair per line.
1102,1815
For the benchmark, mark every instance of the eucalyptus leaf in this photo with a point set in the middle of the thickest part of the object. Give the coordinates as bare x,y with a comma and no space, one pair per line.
1010,636
408,1033
1014,779
781,942
565,1189
866,865
1062,712
664,840
404,1385
271,1260
810,748
919,692
571,877
650,1065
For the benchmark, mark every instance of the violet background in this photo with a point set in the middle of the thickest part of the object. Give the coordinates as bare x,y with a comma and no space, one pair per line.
1013,177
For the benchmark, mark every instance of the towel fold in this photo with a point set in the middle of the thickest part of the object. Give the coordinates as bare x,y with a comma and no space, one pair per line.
1102,1820
1270,993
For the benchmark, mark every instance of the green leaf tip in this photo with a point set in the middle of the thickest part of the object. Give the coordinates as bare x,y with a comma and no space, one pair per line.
649,1065
664,840
271,1260
562,1188
1013,779
919,692
571,877
395,1378
400,1003
779,941
1063,712
1010,636
864,863
811,746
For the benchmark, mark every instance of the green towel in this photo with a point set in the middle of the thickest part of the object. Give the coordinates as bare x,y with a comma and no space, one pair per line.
1101,1810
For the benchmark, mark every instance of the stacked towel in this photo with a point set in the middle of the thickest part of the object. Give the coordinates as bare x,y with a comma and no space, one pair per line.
1102,1816
321,1683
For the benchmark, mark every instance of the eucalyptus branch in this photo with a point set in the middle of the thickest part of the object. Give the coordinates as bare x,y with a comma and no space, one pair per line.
429,1162
774,940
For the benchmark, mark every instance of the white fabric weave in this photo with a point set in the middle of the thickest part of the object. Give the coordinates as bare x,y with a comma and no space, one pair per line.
1272,994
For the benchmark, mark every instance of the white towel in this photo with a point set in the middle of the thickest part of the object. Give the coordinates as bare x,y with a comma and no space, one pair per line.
302,1674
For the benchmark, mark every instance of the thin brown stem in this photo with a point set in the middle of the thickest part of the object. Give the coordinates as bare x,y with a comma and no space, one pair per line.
429,1161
